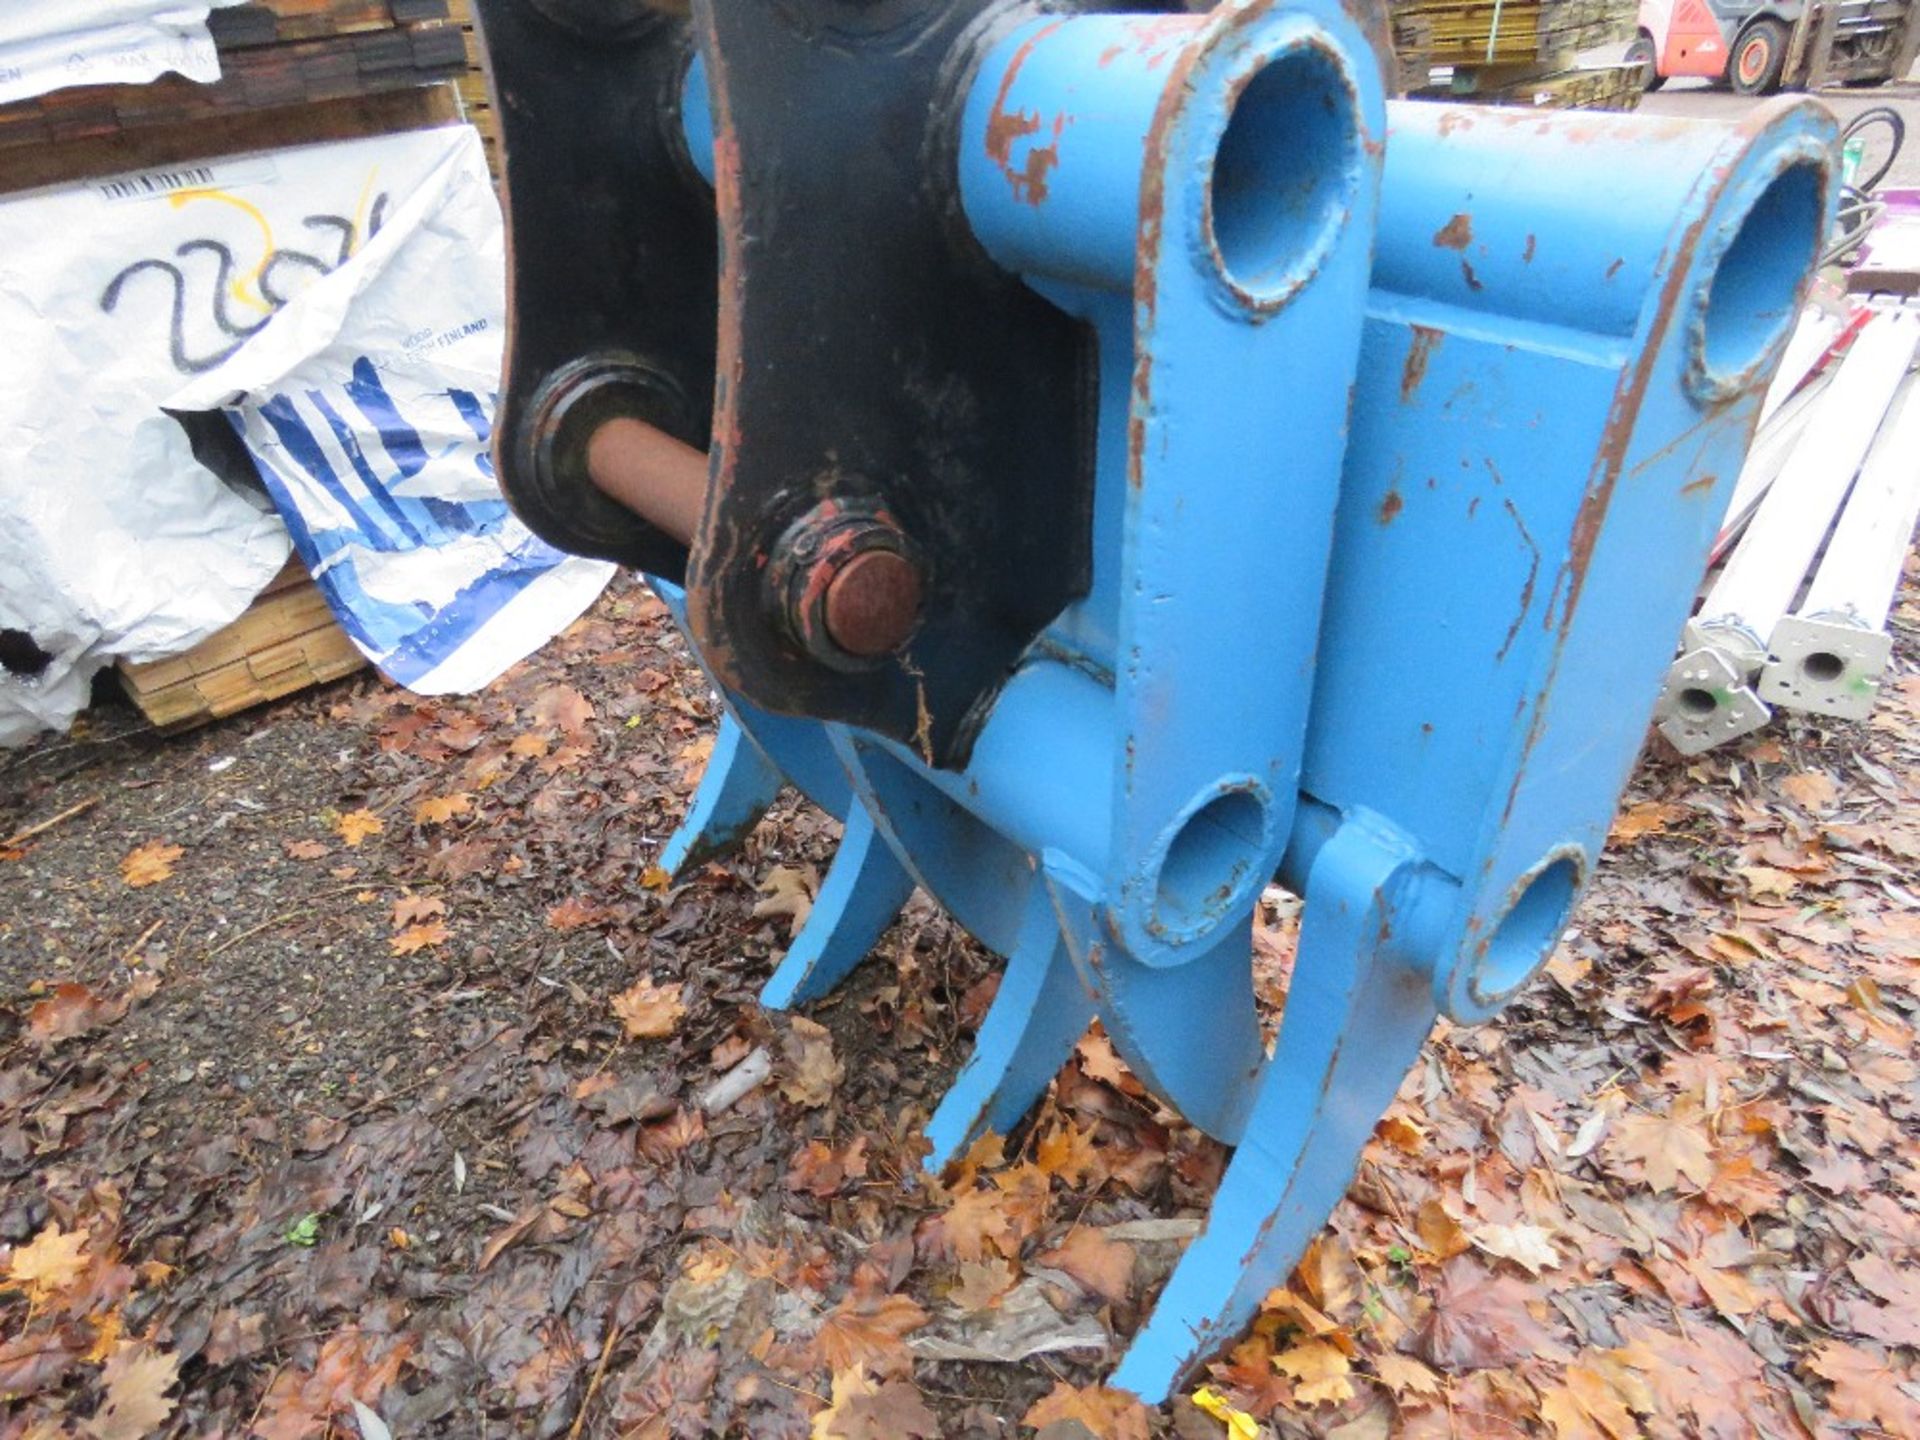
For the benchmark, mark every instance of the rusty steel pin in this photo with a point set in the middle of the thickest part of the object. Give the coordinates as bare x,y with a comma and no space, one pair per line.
847,583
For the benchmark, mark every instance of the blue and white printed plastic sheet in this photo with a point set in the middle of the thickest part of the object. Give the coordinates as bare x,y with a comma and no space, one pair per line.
368,404
354,293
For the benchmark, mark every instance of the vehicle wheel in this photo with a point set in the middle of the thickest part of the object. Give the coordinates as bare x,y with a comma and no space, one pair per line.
1758,55
1641,53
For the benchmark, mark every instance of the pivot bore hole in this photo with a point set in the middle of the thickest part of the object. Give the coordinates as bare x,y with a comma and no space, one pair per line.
1209,865
1526,934
1750,298
1284,174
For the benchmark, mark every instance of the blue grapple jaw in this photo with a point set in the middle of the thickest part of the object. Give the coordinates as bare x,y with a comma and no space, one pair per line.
1376,449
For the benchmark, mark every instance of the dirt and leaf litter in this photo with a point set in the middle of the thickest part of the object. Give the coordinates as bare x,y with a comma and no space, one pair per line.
363,1076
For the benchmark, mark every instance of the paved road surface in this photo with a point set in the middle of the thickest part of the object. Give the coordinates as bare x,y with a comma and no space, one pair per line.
1694,97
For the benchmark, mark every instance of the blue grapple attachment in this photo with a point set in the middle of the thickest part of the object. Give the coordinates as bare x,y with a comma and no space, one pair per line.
1143,464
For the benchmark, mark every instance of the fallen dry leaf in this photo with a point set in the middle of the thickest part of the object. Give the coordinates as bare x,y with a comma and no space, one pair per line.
1526,1245
150,864
48,1263
649,1011
1866,1389
563,707
416,909
812,1071
788,891
442,808
71,1010
137,1379
869,1331
1109,1414
1320,1371
357,825
1104,1266
574,914
1666,1147
419,937
862,1411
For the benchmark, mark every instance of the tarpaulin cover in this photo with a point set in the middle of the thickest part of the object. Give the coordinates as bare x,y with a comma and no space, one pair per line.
344,304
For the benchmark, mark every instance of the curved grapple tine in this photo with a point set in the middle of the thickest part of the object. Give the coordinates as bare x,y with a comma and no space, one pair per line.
1037,1016
1356,1016
736,790
864,891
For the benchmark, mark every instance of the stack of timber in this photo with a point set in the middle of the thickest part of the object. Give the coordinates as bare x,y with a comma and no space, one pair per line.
1815,539
1515,52
286,641
274,56
474,98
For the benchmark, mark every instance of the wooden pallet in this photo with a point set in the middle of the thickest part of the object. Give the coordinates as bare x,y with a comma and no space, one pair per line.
278,55
286,641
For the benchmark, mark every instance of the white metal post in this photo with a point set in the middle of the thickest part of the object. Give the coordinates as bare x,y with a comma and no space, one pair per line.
1829,655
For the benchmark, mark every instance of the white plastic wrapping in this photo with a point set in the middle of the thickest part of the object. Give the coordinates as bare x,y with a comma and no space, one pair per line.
52,44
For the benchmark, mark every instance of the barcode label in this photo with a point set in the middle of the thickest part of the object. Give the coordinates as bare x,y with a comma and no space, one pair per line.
151,184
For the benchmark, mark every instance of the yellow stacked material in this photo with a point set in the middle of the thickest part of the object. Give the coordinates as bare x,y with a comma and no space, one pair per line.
286,641
474,98
1600,87
1429,33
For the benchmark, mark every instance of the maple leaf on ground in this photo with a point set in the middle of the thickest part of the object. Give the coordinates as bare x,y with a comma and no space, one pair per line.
649,1011
983,1284
1479,1320
1069,1155
1405,1376
1866,1388
1109,1414
975,1221
1667,1147
48,1264
1812,790
71,1010
416,909
564,708
823,1171
574,914
788,891
1104,1266
869,1330
1439,1232
306,849
150,864
863,1411
442,808
1650,817
1099,1061
812,1072
137,1379
1592,1403
419,937
352,1365
1527,1246
1319,1370
357,825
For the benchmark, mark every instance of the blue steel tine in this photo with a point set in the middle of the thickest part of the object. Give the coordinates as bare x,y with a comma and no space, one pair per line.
1038,1015
1153,1015
735,791
864,890
1356,1016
